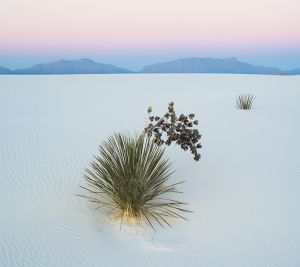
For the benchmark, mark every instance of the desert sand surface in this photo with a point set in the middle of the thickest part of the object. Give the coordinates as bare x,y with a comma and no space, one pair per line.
244,192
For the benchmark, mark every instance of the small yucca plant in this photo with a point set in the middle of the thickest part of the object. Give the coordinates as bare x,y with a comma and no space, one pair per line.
130,177
244,101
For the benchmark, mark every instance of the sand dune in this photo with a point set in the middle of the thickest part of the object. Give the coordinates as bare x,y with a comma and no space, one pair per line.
244,193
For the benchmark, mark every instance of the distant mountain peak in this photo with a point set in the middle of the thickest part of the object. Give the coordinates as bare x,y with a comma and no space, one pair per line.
231,59
81,66
87,60
208,65
4,70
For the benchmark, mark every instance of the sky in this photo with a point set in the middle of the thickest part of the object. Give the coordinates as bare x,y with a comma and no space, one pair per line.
133,33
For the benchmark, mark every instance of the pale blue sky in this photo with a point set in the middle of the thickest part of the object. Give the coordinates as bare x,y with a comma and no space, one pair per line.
133,33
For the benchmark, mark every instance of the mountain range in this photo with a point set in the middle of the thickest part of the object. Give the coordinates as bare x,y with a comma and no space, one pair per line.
82,66
5,70
208,65
185,65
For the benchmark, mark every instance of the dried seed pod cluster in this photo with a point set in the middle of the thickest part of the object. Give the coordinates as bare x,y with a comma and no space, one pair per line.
170,128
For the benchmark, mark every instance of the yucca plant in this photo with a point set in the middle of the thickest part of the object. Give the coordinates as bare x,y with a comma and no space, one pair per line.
244,101
130,176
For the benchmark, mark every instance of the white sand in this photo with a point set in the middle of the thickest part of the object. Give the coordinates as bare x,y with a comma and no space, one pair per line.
245,192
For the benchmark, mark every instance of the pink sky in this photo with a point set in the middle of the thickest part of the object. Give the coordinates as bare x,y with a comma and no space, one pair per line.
156,26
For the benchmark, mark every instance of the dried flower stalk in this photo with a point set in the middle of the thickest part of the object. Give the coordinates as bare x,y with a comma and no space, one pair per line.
169,128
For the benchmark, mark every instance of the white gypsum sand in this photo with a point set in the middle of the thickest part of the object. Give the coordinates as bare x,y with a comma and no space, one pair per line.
244,192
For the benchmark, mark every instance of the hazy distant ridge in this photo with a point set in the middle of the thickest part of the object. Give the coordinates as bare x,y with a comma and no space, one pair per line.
5,70
185,65
293,72
208,65
82,66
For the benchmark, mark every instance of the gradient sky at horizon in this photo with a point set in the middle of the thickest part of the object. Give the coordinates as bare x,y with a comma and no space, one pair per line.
133,33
